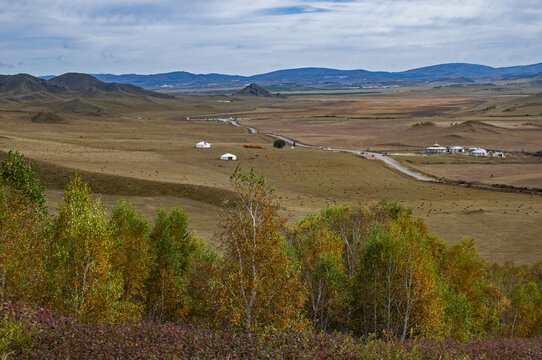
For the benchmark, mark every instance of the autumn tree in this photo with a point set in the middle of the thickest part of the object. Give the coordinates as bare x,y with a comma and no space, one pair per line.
520,287
204,289
172,246
23,219
474,302
319,252
132,256
260,284
21,176
81,276
352,225
397,286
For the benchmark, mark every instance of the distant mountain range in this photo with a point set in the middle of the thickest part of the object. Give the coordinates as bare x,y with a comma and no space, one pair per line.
454,73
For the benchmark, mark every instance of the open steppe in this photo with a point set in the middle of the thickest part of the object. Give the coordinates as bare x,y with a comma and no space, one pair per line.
143,150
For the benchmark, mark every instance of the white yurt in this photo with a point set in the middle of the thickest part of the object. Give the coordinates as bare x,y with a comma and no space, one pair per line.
457,149
479,152
228,156
203,145
436,149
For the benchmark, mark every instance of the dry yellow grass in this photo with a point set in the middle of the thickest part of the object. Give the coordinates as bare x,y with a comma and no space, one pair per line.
155,144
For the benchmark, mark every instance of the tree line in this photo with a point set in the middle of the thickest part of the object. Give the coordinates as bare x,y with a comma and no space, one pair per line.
370,269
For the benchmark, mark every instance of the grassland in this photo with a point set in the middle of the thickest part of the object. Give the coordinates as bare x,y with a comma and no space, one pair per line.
144,151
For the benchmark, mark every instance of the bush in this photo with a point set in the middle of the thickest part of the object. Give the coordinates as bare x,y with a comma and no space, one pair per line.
20,174
65,337
279,144
15,337
252,146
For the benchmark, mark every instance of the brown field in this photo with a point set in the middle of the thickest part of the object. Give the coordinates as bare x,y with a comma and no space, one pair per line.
517,170
145,152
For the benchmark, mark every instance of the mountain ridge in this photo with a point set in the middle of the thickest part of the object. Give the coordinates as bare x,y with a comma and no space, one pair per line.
325,77
24,86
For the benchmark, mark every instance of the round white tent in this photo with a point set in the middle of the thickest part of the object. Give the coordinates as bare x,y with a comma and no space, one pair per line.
457,149
228,156
479,152
436,149
203,145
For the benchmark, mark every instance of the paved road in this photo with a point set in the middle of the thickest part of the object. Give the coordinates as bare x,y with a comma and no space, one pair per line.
368,154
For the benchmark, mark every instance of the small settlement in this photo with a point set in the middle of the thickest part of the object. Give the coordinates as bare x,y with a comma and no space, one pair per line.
206,145
473,151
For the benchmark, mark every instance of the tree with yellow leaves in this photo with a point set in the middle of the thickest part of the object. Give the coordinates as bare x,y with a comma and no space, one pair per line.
23,218
81,276
319,251
259,283
132,256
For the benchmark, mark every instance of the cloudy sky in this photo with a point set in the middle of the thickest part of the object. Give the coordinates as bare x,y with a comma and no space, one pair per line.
254,36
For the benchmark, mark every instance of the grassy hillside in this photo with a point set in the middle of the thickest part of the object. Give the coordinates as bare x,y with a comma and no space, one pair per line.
144,139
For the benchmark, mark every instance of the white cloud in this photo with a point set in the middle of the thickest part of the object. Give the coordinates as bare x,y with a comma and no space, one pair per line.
247,37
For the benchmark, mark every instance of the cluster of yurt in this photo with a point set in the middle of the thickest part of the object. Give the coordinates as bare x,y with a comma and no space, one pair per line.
206,145
473,151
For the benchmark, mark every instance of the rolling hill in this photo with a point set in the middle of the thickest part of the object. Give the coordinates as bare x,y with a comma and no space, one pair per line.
24,87
322,78
255,90
24,83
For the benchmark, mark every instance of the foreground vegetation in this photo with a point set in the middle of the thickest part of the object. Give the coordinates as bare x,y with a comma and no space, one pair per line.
116,284
56,336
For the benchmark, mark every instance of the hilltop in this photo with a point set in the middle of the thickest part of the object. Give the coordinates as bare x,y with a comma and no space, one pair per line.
25,87
24,83
255,90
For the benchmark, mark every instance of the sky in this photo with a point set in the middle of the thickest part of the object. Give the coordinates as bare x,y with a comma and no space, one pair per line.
247,37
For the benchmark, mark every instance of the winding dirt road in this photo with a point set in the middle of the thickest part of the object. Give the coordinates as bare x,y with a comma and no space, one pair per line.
367,154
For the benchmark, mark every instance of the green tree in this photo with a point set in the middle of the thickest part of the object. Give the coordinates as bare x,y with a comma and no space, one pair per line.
23,220
279,144
81,276
467,279
522,310
132,256
319,251
397,286
22,177
173,247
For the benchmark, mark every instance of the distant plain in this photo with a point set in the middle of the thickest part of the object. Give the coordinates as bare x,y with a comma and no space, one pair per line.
142,149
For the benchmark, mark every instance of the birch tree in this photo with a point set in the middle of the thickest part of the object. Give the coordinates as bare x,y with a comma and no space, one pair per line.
81,277
260,284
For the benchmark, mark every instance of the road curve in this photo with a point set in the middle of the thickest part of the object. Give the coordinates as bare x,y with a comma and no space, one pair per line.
367,154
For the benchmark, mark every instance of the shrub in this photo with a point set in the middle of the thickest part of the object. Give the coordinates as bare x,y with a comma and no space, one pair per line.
252,146
279,144
64,337
15,337
20,174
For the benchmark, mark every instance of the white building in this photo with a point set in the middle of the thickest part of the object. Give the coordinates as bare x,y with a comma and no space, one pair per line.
203,145
228,156
436,149
457,149
479,152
